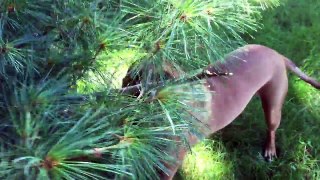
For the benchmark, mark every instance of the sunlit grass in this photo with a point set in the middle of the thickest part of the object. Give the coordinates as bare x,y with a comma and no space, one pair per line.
110,69
208,160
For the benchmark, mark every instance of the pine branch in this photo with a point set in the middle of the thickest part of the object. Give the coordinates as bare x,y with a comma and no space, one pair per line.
50,131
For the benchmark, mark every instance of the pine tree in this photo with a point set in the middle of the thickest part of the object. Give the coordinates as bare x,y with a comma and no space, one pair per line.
62,116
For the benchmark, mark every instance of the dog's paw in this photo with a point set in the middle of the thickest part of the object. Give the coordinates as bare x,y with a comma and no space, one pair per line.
270,154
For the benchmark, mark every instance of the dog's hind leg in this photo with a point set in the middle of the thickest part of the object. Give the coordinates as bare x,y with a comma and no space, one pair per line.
272,97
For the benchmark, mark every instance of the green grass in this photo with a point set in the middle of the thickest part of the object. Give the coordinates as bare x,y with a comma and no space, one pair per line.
208,156
235,152
111,68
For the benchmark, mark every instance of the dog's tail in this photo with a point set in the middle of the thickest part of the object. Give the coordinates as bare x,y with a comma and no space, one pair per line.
292,67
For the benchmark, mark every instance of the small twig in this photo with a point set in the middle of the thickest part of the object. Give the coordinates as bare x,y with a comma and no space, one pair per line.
129,90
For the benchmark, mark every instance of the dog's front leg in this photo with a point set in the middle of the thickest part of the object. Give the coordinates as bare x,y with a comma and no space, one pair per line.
173,168
179,154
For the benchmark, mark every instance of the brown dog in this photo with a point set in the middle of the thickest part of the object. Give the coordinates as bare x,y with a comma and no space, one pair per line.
257,70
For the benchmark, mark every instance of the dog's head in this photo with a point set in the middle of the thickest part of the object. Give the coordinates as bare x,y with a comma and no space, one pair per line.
150,74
